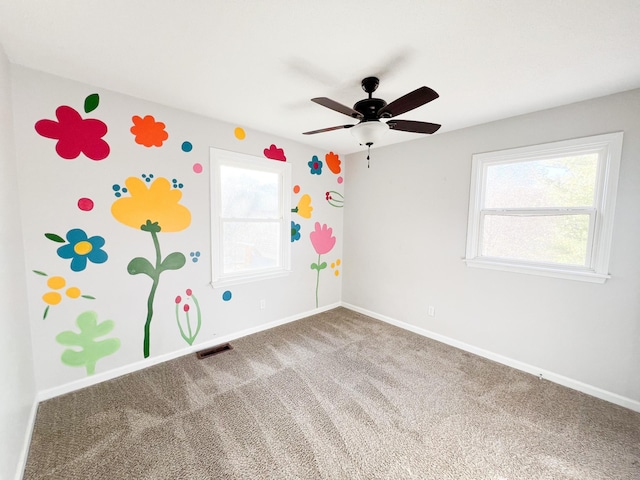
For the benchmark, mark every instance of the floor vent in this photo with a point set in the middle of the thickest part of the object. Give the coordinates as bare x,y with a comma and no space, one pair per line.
214,350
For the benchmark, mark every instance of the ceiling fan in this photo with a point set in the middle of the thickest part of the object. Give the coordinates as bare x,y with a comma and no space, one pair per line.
370,111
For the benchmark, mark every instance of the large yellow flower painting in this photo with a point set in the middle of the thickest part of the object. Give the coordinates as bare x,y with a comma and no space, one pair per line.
155,209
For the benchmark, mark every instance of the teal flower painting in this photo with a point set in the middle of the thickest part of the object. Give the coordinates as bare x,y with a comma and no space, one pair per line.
80,248
295,231
315,165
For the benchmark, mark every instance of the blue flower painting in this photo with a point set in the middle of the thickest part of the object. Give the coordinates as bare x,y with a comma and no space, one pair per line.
295,231
80,249
315,165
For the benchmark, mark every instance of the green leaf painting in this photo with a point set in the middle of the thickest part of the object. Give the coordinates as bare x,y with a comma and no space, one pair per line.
55,238
141,265
174,261
88,350
91,102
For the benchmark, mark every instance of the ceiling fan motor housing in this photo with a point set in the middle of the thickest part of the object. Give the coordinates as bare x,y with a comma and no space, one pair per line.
369,108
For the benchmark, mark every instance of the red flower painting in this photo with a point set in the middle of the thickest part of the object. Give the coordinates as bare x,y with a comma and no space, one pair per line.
75,134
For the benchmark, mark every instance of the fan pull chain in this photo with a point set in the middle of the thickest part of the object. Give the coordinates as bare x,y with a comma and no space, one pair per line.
368,153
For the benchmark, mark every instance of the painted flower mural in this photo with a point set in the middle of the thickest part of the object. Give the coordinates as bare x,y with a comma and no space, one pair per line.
315,165
75,134
295,231
275,153
54,296
154,209
323,241
304,207
81,248
333,162
148,132
188,334
335,199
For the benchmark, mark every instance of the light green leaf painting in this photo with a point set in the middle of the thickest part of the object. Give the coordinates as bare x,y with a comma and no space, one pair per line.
89,350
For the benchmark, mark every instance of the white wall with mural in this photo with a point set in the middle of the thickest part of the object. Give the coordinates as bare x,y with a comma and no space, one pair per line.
116,217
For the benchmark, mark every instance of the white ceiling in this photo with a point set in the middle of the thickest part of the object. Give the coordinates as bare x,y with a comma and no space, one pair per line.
257,63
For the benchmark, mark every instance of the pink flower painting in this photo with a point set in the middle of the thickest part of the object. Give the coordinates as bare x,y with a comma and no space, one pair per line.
75,134
323,241
275,153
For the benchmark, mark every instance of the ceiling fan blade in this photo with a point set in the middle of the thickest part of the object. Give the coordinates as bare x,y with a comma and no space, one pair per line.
338,107
312,132
413,126
408,102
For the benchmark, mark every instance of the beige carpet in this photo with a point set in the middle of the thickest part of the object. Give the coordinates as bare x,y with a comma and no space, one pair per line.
334,396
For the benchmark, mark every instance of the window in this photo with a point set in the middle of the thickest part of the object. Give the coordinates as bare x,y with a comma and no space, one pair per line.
250,224
546,209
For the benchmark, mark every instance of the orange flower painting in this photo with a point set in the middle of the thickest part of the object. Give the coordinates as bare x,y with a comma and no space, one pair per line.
333,162
148,132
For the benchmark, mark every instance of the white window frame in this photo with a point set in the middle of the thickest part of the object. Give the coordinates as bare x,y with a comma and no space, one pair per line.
221,158
609,150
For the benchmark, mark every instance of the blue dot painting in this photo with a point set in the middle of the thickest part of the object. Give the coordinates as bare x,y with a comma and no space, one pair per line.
186,146
118,191
226,296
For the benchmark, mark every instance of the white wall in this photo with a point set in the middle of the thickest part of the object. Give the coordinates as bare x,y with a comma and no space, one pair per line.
17,394
405,233
50,187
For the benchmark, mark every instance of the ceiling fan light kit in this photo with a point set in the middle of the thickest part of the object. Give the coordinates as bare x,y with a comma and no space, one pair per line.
371,110
368,133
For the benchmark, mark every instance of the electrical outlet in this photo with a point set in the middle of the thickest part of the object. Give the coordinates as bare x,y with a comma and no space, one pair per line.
263,304
432,311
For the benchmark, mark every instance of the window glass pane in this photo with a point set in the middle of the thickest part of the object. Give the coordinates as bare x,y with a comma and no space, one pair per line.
557,182
247,193
559,239
250,246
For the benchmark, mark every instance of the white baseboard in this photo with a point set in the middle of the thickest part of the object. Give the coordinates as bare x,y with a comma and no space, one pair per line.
148,362
525,367
22,460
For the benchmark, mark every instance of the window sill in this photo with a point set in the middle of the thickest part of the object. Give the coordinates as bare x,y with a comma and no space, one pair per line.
565,273
256,277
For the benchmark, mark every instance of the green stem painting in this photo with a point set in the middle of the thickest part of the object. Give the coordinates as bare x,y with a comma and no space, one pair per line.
318,266
173,261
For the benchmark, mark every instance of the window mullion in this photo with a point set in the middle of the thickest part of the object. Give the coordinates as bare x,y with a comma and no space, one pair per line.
539,211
